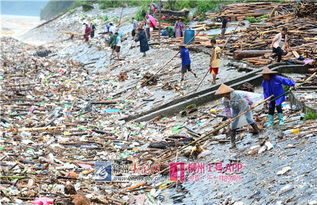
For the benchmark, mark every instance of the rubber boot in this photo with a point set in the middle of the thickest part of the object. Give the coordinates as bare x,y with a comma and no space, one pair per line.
270,122
233,139
256,129
280,119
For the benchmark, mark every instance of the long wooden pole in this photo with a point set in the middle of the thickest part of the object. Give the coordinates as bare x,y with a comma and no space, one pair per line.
310,77
160,18
227,122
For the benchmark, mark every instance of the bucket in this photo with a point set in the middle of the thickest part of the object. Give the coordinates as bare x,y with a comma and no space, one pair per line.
189,36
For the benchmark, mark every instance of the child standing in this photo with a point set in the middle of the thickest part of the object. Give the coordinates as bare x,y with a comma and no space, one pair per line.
184,54
214,60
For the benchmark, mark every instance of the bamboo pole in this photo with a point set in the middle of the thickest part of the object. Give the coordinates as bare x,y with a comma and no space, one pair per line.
160,19
227,122
217,129
37,129
310,77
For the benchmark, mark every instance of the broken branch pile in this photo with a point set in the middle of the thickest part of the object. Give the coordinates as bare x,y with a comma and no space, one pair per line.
239,11
257,38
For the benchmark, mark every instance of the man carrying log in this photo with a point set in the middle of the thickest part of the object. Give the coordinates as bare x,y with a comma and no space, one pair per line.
184,54
214,60
280,44
235,103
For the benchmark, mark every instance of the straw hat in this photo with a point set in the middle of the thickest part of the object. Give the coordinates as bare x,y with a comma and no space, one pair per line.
266,70
224,89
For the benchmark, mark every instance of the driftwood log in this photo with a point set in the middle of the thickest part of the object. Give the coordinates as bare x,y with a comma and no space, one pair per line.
183,13
240,54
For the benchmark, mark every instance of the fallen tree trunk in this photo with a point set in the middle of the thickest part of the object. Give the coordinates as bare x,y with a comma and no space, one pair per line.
240,54
183,13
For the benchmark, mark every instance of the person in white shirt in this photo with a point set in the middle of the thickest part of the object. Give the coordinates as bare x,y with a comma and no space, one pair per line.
135,25
280,44
112,28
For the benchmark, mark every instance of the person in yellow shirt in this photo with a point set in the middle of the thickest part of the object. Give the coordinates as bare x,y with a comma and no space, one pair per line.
214,60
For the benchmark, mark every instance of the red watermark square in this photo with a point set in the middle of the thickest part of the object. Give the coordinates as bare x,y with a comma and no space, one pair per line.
177,171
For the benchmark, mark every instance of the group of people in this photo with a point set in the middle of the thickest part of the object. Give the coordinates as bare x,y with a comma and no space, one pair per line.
214,62
236,102
89,31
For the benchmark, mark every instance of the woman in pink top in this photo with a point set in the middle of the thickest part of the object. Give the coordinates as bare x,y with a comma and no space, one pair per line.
279,44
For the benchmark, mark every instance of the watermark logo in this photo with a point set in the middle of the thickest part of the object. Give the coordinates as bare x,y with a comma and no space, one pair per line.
177,171
201,171
103,171
110,171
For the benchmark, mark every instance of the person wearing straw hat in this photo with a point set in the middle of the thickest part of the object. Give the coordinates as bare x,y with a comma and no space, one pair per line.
272,85
235,103
93,29
184,54
144,44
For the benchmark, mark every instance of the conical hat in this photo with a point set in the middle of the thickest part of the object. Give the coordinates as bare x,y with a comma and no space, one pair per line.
224,89
266,70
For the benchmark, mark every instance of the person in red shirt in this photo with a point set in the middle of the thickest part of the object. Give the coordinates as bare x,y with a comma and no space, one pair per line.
87,32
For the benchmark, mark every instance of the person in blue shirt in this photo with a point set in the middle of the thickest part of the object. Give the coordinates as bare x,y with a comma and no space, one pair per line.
108,27
184,54
272,85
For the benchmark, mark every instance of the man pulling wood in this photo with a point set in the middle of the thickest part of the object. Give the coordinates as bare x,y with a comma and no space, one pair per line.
236,102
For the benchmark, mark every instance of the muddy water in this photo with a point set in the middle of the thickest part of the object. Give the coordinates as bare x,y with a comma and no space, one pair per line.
15,26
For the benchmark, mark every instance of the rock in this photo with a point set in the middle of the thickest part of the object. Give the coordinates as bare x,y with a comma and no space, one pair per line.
219,195
204,153
284,171
70,189
269,145
279,203
286,188
80,199
262,149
